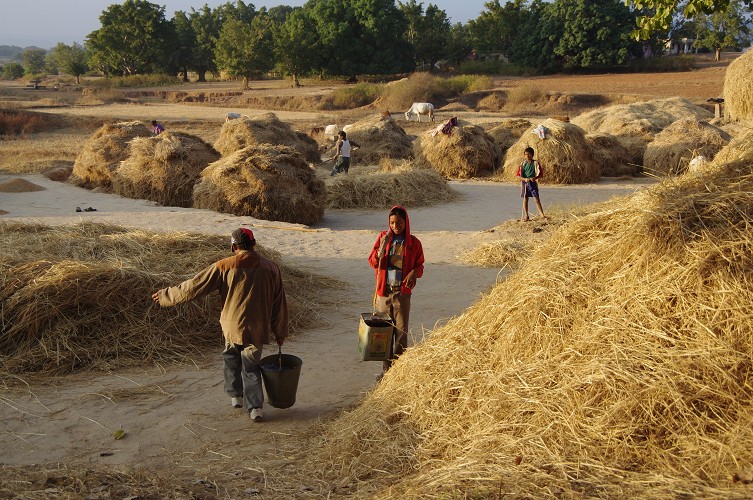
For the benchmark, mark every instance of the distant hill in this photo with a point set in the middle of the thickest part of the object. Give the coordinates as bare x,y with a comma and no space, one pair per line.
9,53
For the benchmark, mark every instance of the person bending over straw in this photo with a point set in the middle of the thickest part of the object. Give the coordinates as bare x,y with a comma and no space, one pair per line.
398,258
529,172
253,307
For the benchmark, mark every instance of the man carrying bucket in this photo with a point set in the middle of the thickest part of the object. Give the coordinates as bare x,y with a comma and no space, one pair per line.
253,307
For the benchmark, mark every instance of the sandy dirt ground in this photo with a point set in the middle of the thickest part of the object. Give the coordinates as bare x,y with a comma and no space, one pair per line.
176,416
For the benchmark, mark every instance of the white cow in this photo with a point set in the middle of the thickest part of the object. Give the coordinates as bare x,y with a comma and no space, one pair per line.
331,131
420,108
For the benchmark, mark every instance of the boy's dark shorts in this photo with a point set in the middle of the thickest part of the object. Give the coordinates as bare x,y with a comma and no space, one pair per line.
529,189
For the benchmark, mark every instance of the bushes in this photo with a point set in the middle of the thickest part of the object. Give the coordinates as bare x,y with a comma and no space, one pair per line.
355,96
23,122
425,87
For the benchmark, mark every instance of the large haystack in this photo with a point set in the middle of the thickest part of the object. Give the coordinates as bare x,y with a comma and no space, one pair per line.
379,137
640,119
412,187
738,89
266,129
164,168
77,297
674,147
263,181
615,364
467,152
564,154
102,153
508,131
614,158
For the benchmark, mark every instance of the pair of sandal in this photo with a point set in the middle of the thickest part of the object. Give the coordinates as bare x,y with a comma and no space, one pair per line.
88,209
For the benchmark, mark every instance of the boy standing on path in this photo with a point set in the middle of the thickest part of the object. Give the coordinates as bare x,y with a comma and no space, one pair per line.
529,172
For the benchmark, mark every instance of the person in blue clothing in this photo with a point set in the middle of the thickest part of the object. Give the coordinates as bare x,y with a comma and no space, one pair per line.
530,172
157,128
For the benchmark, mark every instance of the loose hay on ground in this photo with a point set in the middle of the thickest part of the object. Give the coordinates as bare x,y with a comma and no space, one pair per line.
266,129
616,363
77,297
673,148
403,186
164,168
270,182
103,152
565,154
502,254
641,119
468,152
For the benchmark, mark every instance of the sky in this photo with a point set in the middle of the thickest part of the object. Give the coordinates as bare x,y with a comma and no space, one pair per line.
44,23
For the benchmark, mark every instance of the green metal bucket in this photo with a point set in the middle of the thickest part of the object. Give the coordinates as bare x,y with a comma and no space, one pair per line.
280,373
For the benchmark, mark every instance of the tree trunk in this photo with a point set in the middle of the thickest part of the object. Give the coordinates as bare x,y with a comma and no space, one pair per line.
246,79
296,82
202,76
718,54
185,74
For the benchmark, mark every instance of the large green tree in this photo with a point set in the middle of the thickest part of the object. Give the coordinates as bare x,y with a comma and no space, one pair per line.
723,29
134,38
429,32
185,43
538,34
498,26
70,59
459,45
246,49
297,46
595,32
33,60
361,36
205,24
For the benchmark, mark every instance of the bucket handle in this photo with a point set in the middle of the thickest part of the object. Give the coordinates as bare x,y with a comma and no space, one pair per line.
279,355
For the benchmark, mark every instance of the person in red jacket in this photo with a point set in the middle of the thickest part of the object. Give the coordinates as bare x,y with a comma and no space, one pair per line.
398,258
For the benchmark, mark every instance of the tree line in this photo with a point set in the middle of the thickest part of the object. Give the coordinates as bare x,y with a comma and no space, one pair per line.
346,38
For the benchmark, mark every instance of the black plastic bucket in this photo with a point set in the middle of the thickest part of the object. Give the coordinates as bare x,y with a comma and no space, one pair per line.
280,373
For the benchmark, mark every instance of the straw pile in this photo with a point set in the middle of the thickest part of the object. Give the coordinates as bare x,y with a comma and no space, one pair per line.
508,131
407,186
739,148
102,153
468,152
265,181
564,154
79,296
641,119
163,168
379,137
738,89
266,129
674,147
616,363
612,156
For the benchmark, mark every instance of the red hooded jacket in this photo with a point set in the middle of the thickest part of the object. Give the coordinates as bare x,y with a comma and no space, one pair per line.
413,257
